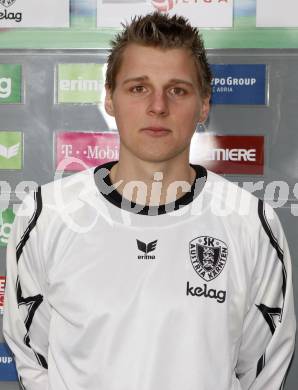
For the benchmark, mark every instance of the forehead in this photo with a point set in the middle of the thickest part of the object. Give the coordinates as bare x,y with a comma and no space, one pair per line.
156,62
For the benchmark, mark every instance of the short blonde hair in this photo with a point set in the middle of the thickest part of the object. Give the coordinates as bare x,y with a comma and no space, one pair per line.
162,31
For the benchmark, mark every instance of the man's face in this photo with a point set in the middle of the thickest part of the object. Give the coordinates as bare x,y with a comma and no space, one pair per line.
156,103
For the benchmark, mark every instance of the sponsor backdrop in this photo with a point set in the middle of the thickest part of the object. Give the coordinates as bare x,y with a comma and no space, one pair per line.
276,13
239,84
51,108
217,13
7,366
28,13
51,103
92,23
10,83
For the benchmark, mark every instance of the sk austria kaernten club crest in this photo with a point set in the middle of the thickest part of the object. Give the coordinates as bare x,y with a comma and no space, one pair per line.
208,256
7,3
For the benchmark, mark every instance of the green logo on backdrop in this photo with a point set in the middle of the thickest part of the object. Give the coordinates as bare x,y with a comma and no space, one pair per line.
10,150
6,221
80,83
10,83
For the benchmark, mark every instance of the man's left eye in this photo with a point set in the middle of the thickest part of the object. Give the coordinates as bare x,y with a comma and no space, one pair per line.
177,91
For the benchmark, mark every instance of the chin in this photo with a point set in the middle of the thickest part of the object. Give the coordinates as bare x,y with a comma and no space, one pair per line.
157,157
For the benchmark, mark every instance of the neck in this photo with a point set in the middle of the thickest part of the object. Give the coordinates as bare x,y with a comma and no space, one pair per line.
152,183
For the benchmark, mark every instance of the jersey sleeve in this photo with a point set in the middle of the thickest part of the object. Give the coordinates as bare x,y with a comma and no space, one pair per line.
269,327
26,311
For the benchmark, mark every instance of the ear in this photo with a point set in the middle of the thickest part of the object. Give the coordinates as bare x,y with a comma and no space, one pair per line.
109,107
205,108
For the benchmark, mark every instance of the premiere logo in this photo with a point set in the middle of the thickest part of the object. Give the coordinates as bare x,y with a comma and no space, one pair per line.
231,154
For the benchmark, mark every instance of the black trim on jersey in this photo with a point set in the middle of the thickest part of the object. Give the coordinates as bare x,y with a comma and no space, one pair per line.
286,374
116,198
31,302
32,223
283,383
274,243
269,313
261,364
21,383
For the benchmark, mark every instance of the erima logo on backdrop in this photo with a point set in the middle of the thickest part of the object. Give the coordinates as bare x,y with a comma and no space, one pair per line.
80,85
146,248
208,256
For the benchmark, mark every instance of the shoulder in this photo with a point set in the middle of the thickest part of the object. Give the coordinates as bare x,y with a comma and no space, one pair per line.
230,197
51,200
242,208
70,187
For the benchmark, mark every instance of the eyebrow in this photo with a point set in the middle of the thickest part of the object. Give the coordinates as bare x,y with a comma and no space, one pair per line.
145,78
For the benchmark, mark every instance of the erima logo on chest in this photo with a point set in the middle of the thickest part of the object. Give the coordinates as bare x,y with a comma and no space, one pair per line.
146,248
208,256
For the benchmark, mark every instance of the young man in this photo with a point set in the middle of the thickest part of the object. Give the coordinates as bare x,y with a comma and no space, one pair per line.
148,276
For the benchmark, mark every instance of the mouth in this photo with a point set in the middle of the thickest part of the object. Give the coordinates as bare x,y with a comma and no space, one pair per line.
156,131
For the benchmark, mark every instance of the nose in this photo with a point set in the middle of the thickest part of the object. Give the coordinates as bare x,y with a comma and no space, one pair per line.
158,104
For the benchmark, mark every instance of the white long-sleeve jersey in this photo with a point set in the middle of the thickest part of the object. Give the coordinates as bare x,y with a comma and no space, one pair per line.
196,295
